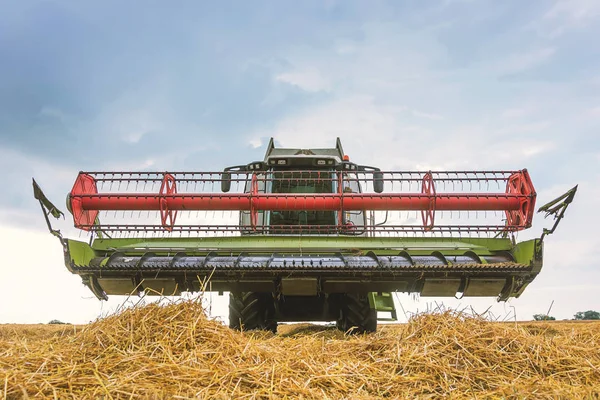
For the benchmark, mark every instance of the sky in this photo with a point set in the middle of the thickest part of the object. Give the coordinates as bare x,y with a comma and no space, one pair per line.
407,85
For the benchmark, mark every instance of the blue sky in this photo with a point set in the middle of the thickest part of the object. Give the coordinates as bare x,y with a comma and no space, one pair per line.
441,84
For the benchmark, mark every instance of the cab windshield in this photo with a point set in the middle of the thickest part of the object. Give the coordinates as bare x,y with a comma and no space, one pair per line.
304,182
306,221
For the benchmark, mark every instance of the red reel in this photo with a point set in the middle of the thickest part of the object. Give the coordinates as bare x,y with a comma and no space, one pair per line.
84,185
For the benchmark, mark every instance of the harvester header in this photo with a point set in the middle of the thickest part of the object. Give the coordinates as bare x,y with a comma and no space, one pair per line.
305,234
516,201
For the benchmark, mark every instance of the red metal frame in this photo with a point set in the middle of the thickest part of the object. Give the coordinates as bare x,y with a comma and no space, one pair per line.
428,188
84,185
340,187
518,201
299,202
520,184
253,208
168,188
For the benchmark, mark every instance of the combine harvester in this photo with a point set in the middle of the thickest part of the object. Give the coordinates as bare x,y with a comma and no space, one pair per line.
310,236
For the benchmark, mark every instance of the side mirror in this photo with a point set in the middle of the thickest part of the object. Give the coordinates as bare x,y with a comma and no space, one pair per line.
378,181
225,181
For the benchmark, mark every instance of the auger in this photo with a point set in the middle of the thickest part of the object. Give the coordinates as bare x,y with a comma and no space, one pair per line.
305,235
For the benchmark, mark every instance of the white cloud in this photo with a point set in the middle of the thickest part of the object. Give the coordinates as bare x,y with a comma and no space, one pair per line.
388,136
357,120
256,143
345,48
54,112
308,79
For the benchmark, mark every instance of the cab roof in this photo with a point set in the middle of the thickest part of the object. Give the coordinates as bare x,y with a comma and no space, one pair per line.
272,151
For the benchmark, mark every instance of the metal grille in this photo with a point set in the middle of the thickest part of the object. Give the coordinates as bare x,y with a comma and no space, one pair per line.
193,203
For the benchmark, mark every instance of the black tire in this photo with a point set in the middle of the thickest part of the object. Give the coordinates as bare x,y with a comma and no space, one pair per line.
356,315
252,311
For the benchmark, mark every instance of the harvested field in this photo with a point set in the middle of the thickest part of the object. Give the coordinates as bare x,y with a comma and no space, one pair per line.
174,351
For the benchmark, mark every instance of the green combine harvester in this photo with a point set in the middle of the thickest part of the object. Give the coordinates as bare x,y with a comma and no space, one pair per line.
305,235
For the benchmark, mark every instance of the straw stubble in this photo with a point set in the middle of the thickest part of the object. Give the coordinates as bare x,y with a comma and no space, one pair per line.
175,351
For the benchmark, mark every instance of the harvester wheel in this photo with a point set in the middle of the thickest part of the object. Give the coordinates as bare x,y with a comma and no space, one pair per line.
252,311
356,314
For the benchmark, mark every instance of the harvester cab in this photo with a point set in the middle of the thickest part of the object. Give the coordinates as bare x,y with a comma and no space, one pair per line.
305,235
303,171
